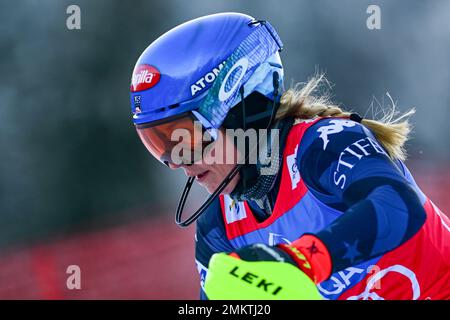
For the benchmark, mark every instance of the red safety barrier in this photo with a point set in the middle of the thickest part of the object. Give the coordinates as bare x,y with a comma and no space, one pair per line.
153,259
150,260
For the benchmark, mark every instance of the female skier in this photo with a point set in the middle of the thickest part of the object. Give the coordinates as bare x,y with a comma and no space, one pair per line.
313,200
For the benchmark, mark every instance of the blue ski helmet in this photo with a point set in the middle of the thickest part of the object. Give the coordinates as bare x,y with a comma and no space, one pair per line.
200,66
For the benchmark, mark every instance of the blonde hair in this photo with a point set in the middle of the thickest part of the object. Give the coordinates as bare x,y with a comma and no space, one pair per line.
300,102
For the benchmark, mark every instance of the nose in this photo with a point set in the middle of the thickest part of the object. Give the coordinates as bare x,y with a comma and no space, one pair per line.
167,160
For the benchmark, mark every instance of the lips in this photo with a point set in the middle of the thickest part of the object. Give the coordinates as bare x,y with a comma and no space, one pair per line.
202,176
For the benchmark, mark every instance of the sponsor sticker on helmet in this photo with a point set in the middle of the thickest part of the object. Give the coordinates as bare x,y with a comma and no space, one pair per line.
144,77
233,79
137,104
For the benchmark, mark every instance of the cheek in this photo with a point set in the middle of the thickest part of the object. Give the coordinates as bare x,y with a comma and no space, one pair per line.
214,177
220,171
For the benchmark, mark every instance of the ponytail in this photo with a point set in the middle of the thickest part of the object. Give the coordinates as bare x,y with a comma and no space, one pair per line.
391,130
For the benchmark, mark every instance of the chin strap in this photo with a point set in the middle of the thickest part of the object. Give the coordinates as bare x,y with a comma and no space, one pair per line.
232,174
258,179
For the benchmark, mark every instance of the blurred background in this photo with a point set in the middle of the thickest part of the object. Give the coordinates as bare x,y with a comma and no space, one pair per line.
78,188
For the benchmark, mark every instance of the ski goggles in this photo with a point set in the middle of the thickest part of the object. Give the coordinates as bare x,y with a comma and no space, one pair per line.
178,140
